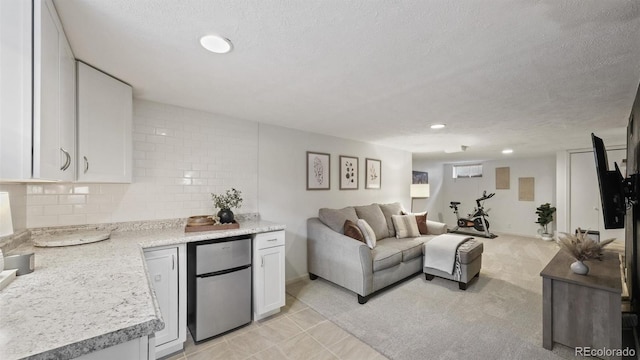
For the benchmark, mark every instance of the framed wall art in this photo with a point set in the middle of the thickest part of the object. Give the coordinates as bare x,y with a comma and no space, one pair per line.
318,171
348,173
373,174
419,177
502,178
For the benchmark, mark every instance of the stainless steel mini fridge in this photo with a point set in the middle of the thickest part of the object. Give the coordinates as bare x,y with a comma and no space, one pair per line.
218,286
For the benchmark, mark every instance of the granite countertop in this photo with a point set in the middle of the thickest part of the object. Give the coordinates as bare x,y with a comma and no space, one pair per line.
88,297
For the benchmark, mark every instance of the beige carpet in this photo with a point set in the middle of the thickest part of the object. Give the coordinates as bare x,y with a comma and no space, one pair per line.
498,317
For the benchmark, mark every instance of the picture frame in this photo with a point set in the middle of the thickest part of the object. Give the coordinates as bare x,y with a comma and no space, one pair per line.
318,171
419,177
373,174
349,177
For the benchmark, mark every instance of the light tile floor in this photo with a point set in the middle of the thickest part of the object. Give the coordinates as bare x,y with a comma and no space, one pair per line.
297,332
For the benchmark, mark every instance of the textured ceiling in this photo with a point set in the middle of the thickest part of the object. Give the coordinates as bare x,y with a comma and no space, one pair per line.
535,76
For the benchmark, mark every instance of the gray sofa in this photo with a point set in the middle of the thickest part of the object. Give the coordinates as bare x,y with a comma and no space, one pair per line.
351,263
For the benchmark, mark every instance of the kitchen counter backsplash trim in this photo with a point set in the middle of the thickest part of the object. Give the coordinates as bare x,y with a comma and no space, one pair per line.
10,242
89,297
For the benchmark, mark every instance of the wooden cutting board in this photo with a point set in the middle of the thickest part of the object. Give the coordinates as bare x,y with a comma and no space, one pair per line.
76,238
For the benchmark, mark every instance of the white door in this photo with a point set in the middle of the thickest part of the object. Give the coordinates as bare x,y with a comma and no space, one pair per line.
104,127
270,270
163,272
46,92
67,149
585,202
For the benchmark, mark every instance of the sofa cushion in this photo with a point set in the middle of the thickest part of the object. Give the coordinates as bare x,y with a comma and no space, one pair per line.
388,210
385,257
367,231
406,226
375,218
467,256
353,231
335,218
410,248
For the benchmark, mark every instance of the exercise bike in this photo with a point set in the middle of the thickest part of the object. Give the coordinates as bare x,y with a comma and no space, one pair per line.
476,220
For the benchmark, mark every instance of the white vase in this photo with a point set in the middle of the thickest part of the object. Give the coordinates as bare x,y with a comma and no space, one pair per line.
580,268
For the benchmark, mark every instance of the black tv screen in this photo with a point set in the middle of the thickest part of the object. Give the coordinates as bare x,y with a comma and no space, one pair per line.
611,185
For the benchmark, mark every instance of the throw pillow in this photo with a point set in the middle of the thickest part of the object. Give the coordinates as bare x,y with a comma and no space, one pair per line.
406,226
421,219
353,231
367,231
335,218
388,210
375,218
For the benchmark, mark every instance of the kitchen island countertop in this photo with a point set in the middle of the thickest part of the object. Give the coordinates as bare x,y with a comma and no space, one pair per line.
89,297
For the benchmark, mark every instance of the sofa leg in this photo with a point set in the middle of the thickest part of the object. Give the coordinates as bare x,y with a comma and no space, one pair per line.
313,276
362,299
429,277
462,286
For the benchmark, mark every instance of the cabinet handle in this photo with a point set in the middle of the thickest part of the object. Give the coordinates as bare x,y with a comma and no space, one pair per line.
67,160
272,240
173,262
86,164
262,261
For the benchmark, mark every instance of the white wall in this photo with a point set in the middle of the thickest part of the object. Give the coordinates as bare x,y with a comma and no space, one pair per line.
507,214
180,157
282,183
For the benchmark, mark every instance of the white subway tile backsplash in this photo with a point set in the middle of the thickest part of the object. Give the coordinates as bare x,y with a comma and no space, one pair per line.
72,199
180,157
58,209
41,200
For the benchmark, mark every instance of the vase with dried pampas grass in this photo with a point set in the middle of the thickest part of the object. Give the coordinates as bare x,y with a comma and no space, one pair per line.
581,247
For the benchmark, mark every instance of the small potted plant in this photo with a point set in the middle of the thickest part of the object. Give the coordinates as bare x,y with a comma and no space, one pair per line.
581,247
545,217
232,199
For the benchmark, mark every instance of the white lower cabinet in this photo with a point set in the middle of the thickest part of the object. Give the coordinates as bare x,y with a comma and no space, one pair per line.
268,273
136,349
167,271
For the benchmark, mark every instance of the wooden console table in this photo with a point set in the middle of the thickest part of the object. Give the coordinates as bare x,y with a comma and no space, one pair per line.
579,310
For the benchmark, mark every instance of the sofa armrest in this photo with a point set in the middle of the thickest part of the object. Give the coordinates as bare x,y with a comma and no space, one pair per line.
339,258
436,228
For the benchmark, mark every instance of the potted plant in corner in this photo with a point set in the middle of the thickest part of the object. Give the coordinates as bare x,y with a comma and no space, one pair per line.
545,217
232,199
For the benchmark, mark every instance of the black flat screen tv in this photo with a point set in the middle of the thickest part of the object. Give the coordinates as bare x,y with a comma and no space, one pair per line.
611,184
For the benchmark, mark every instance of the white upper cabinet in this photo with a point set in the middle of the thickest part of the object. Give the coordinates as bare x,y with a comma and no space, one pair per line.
15,89
105,107
38,97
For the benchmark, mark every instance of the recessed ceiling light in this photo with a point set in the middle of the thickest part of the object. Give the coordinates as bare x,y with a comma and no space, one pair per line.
437,126
507,151
216,44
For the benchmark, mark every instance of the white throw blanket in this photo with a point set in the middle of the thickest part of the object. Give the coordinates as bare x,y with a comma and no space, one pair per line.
440,252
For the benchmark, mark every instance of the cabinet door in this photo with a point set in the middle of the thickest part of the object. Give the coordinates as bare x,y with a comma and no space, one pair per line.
53,97
46,91
67,151
104,127
269,289
15,89
163,272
